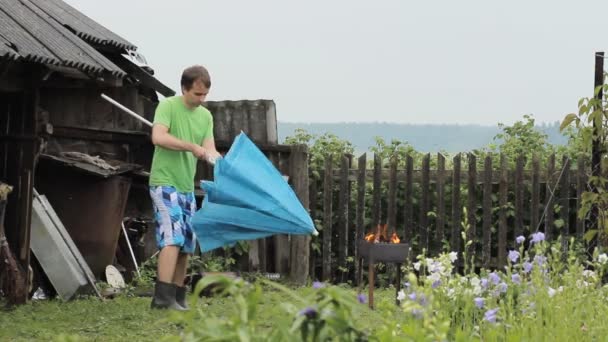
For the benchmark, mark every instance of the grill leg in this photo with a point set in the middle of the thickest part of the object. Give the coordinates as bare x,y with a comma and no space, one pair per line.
360,274
398,285
371,284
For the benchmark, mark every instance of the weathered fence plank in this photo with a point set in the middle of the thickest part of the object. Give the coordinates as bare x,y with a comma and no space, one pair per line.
472,206
549,197
455,240
487,212
343,222
409,207
440,226
519,196
376,216
423,228
328,186
503,192
581,181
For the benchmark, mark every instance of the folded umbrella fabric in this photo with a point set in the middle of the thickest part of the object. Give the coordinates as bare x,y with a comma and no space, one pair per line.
248,199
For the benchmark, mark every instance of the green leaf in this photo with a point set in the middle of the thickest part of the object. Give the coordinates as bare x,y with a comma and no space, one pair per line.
567,121
590,234
559,223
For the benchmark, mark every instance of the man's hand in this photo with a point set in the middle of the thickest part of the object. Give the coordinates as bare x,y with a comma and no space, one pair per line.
199,152
212,156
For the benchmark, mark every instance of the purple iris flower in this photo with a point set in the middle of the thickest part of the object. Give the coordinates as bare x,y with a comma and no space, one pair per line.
513,256
309,312
490,315
361,298
527,267
537,237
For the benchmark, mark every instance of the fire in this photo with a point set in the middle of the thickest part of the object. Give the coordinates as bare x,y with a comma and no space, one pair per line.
395,238
380,235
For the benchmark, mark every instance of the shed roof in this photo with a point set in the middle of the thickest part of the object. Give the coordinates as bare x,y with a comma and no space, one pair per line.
39,31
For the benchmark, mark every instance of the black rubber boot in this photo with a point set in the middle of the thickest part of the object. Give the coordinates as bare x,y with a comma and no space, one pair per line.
164,297
180,297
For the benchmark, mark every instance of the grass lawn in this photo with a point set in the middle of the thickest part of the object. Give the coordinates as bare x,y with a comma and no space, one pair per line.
130,318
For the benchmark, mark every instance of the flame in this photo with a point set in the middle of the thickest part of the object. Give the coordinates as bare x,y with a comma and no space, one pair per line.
370,237
380,235
395,238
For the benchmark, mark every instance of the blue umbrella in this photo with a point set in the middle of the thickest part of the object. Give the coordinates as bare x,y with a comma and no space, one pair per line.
249,199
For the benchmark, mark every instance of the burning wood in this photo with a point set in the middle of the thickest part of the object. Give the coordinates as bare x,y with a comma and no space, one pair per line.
381,235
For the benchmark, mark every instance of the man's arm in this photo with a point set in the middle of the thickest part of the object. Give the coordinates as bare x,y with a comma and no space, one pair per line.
212,153
161,137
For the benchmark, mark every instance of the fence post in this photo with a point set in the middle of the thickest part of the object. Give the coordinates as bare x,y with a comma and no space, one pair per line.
300,245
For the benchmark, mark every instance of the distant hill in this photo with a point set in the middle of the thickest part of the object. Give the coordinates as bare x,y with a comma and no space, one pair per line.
425,138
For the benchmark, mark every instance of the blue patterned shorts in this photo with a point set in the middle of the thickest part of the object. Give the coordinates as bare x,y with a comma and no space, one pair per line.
173,212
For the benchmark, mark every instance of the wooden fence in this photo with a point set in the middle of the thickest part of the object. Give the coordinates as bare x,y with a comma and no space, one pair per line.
421,206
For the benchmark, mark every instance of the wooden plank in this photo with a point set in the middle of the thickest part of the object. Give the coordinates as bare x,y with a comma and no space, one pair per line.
313,214
424,204
408,211
581,180
327,219
535,200
360,214
392,198
282,243
239,120
564,212
376,216
519,196
487,212
300,244
417,174
256,122
343,222
549,197
472,207
455,240
440,223
503,190
254,256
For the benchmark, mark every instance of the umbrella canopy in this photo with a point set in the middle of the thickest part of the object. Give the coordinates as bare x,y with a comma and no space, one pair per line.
248,199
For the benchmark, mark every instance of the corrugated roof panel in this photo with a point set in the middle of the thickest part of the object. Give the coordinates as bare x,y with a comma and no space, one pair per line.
36,36
85,27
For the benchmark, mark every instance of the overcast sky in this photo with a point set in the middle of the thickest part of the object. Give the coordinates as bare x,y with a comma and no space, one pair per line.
401,61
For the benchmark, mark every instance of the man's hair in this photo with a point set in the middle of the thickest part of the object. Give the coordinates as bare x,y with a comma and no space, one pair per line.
194,73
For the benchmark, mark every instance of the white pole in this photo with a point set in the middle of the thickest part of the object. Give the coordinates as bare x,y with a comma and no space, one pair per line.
124,231
126,110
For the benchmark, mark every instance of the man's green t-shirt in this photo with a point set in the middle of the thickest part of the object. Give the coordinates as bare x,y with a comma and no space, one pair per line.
177,168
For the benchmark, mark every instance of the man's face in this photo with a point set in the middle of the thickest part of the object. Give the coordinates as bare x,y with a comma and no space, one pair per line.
197,94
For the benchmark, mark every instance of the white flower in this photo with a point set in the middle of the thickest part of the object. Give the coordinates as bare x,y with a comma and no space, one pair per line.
453,256
560,289
588,274
477,290
475,281
429,262
581,283
451,292
433,277
400,295
602,258
417,266
551,292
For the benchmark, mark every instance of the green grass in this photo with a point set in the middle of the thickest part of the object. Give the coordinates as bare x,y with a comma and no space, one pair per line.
130,318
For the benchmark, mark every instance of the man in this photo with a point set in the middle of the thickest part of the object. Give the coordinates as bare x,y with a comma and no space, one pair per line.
182,134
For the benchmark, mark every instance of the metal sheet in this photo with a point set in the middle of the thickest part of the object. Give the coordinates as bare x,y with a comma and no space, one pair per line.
55,256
